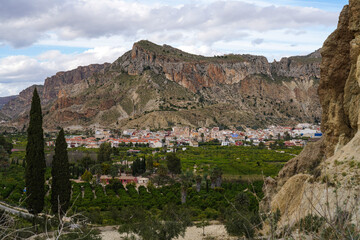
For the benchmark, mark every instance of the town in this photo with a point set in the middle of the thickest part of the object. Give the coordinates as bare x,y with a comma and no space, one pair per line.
184,136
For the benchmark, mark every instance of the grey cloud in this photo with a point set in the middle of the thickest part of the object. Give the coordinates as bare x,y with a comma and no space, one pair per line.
10,9
257,41
24,24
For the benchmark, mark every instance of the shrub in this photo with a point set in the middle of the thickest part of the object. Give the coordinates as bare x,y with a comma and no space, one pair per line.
311,223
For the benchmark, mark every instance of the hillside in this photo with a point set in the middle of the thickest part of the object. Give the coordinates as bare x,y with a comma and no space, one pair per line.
324,178
160,86
5,100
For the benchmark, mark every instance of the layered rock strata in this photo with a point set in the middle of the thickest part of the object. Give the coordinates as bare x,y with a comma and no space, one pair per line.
155,87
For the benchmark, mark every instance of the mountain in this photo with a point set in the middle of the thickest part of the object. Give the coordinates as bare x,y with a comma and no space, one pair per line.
4,100
324,178
161,86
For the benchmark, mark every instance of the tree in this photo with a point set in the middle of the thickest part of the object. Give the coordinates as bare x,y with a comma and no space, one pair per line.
114,171
87,161
129,219
138,167
216,177
87,176
4,158
198,183
203,223
205,177
104,153
186,180
287,136
149,163
173,163
172,223
7,146
60,171
35,159
11,229
261,145
162,175
239,220
115,151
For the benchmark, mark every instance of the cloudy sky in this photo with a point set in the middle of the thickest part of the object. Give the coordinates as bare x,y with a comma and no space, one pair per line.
41,37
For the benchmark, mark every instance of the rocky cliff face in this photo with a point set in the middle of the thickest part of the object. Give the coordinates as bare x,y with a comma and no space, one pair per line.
195,72
301,67
5,100
54,84
49,92
325,177
191,71
21,103
160,86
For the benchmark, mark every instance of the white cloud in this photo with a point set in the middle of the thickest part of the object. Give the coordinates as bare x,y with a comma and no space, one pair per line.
205,27
19,72
73,19
15,68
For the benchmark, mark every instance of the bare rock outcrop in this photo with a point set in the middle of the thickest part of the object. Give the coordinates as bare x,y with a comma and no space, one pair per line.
325,177
195,72
49,92
191,71
21,103
53,85
302,67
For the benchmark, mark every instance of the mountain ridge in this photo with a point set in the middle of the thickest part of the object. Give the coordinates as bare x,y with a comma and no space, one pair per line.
153,82
5,100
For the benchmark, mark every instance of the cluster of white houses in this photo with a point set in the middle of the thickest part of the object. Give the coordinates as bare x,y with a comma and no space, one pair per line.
191,137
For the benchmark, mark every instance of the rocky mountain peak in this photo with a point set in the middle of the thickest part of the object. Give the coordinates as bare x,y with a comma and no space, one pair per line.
161,86
195,72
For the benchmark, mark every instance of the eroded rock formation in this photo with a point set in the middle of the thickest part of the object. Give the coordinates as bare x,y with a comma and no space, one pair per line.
326,175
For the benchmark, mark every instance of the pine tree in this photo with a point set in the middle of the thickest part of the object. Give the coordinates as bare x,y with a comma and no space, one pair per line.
61,186
35,159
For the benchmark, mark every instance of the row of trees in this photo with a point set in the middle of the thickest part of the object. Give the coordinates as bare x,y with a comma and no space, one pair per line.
36,166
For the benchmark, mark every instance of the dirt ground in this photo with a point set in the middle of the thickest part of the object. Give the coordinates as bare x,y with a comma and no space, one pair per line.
212,232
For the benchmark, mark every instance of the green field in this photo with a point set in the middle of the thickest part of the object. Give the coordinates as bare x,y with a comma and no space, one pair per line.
237,160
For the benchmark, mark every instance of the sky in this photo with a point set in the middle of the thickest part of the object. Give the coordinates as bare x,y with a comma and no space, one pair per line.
41,37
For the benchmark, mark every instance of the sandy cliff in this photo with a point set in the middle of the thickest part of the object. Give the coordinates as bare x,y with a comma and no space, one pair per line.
326,175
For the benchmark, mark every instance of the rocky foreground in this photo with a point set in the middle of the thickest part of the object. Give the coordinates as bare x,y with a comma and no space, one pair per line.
325,178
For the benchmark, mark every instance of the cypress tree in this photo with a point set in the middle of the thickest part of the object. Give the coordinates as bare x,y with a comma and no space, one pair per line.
173,163
35,159
61,186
